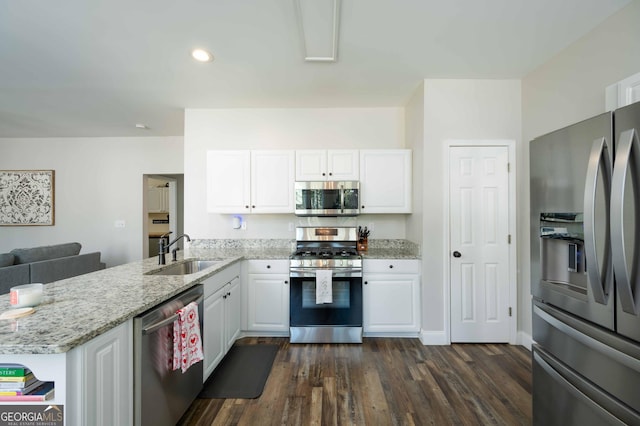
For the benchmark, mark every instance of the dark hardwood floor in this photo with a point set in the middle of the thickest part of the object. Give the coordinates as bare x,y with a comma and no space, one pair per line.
382,382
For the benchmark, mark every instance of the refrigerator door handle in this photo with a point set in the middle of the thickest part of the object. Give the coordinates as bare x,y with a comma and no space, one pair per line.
599,161
599,342
627,159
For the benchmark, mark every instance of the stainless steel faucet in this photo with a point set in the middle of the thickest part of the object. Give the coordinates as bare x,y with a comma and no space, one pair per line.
164,248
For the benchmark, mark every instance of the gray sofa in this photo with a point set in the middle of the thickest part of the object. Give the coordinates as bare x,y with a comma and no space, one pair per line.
45,264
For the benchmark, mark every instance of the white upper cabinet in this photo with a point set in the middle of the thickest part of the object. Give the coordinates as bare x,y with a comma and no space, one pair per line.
229,181
250,181
332,165
385,181
158,200
272,181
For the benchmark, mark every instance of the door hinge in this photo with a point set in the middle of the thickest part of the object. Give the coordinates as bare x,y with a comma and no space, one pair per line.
508,167
509,239
510,313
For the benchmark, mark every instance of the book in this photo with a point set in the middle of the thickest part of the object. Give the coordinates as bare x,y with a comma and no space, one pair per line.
11,379
13,370
18,384
22,391
43,392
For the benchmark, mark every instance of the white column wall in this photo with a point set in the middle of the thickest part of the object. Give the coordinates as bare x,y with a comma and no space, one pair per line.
453,109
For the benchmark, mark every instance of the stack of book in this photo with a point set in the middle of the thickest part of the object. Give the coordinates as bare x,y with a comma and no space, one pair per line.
17,383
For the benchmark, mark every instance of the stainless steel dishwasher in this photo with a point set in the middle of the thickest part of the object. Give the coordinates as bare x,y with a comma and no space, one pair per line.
162,395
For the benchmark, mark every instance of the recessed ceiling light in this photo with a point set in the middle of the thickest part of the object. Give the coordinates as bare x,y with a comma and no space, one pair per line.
201,55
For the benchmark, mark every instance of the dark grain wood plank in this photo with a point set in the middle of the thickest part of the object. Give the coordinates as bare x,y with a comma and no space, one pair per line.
382,382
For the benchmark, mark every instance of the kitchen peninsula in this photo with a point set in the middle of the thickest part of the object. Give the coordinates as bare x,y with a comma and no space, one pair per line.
80,337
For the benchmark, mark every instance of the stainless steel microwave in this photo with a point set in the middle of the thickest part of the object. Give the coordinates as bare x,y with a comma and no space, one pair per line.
327,198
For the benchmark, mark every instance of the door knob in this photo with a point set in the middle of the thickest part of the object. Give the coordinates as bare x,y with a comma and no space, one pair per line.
457,254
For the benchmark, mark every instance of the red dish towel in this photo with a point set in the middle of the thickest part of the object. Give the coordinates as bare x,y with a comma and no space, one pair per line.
187,343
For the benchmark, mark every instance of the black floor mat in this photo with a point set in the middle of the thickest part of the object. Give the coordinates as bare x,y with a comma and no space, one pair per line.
242,373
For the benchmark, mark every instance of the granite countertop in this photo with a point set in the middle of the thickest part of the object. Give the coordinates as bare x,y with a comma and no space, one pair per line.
76,310
391,249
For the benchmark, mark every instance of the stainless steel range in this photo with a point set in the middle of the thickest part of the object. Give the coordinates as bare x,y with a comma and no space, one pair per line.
326,286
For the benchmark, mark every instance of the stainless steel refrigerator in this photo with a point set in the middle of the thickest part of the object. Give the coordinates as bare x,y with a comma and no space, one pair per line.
585,277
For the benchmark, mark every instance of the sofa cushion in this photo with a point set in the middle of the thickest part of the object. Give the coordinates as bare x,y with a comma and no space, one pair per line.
13,275
6,259
50,270
36,254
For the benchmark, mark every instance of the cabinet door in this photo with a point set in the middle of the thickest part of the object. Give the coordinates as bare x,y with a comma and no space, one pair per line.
385,181
311,165
391,303
268,302
108,367
232,312
228,181
333,164
213,340
272,181
343,164
154,201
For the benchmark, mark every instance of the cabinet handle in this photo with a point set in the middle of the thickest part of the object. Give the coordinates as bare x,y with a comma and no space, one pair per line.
224,297
390,266
330,174
362,207
253,207
268,266
229,294
366,282
246,207
286,282
324,174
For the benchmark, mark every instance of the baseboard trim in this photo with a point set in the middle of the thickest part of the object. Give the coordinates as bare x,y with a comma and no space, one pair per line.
524,339
434,338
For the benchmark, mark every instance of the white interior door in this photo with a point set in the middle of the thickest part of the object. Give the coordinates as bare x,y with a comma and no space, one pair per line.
479,243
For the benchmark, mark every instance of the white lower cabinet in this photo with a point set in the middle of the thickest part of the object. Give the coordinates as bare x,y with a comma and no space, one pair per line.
213,342
232,312
267,304
391,296
101,386
222,315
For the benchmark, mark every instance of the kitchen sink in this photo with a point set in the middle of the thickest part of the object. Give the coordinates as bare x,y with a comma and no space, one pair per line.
186,268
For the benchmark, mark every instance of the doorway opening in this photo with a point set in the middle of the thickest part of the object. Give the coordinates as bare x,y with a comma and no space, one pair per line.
162,211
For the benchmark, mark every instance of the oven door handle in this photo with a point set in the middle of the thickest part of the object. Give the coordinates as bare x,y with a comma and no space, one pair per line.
342,272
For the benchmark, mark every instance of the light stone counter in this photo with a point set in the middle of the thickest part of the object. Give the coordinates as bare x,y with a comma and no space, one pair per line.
391,249
76,310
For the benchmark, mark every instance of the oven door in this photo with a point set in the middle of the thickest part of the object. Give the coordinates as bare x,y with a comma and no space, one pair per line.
345,309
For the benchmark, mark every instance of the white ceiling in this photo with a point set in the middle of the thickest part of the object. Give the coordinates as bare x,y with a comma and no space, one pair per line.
97,67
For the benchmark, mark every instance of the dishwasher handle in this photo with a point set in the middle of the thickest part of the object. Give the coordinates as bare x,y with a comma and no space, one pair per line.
170,320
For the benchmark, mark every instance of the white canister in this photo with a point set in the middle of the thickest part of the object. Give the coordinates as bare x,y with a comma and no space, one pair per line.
26,295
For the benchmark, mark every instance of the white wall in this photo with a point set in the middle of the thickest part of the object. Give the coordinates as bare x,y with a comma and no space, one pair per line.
286,128
571,88
414,121
453,109
97,181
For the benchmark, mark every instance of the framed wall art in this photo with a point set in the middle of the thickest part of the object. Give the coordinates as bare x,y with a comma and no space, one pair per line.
27,197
